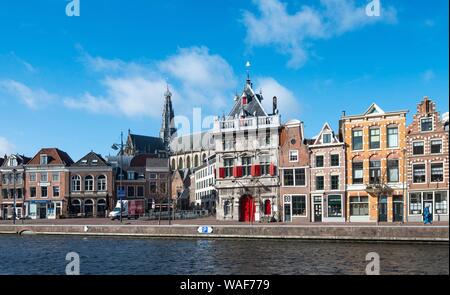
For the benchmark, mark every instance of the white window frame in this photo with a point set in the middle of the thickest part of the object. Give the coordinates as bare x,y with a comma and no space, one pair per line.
432,123
293,153
412,172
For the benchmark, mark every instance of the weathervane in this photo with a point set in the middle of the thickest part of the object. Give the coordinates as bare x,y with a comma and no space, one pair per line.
248,65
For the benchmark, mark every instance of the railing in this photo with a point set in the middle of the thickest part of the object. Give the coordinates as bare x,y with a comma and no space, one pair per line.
244,123
178,215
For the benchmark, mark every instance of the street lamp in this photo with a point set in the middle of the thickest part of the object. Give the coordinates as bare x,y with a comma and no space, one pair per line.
119,147
14,171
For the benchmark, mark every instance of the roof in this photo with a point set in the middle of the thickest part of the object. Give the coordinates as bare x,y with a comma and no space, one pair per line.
141,160
201,141
374,110
21,160
157,163
253,106
325,129
146,144
55,157
1,161
91,160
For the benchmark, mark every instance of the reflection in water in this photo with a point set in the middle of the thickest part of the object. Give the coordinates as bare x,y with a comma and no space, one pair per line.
46,255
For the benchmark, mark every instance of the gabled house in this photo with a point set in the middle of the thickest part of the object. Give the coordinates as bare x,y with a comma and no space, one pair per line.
91,187
12,175
328,199
47,184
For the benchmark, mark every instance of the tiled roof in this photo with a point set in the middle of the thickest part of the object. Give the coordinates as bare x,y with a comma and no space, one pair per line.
253,106
91,159
56,157
146,144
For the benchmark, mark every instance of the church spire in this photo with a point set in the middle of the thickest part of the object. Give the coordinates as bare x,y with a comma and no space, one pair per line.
168,125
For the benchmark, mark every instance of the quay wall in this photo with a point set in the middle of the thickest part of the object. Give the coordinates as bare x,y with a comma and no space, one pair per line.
332,233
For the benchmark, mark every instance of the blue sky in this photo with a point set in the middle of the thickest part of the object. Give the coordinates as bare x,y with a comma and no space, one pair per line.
76,82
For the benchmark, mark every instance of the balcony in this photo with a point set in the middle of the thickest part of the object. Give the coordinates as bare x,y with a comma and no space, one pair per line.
246,123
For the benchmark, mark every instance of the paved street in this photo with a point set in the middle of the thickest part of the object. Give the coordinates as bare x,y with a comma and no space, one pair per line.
200,221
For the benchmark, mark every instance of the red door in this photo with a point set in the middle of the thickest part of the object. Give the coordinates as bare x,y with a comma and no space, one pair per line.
247,209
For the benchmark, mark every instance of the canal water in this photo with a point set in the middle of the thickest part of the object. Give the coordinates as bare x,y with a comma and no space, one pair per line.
47,254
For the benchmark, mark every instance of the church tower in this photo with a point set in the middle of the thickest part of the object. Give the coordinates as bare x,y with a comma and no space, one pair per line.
168,129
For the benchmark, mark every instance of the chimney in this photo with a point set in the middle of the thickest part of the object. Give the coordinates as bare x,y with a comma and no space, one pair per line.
275,105
343,113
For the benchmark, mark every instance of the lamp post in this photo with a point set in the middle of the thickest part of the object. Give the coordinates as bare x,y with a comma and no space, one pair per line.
119,147
14,171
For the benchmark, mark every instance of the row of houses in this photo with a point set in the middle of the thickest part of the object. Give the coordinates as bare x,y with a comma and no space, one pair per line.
374,168
51,185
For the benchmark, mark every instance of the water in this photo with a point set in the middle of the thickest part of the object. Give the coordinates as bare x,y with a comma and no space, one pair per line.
46,255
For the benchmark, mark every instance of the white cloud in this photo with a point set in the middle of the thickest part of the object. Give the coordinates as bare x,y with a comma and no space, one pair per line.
293,34
32,98
197,78
428,75
288,105
5,147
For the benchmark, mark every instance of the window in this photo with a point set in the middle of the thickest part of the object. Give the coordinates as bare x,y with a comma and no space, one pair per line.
89,183
334,160
374,172
426,124
152,176
357,140
130,191
288,177
358,173
163,187
326,138
153,187
359,206
374,138
265,165
56,191
44,160
319,183
44,177
33,177
419,173
246,166
418,148
294,177
334,206
140,191
298,205
228,164
437,172
293,156
300,177
44,192
319,161
415,203
436,146
334,182
33,192
440,203
393,172
131,175
392,137
19,193
101,183
55,176
76,183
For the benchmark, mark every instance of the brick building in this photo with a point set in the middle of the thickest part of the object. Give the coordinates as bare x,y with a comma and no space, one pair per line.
47,184
91,187
294,163
328,196
375,152
427,142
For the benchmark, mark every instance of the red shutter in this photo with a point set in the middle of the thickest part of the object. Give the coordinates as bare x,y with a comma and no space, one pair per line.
239,171
256,170
272,169
268,208
235,174
222,172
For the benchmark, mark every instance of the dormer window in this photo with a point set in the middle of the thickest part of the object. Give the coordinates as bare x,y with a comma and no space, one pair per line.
95,162
12,162
84,161
426,124
326,138
44,160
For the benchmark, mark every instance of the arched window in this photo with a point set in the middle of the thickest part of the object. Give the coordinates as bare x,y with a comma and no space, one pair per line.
88,207
204,158
101,208
196,161
76,206
173,164
89,183
101,183
76,183
180,163
188,162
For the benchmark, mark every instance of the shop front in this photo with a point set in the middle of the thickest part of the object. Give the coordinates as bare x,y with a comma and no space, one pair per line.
435,201
44,209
